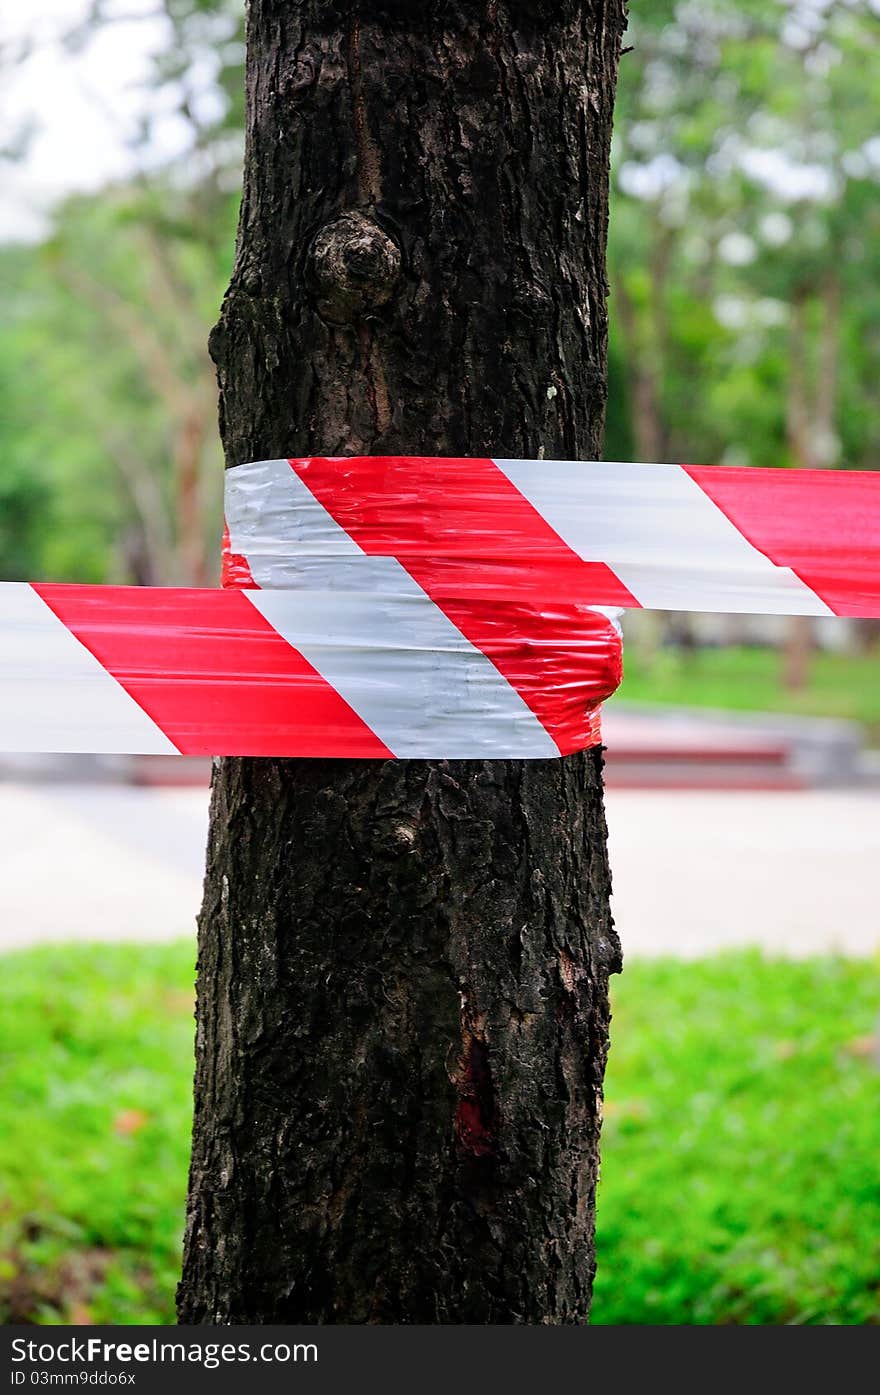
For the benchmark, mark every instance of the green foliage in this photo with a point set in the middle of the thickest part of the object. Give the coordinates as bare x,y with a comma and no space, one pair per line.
111,465
744,252
739,1177
112,404
24,501
95,1080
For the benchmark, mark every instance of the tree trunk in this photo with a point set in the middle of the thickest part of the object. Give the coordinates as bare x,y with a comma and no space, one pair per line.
403,966
812,438
643,378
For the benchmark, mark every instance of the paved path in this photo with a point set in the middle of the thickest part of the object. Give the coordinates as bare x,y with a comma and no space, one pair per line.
698,871
99,862
693,871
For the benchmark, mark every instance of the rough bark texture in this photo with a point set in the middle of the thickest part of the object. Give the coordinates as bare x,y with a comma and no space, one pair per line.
402,1002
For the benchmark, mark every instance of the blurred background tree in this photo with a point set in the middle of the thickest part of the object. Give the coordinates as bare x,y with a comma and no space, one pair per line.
111,466
744,233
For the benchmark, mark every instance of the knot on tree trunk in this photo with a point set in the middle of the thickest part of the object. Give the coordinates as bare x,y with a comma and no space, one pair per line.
355,267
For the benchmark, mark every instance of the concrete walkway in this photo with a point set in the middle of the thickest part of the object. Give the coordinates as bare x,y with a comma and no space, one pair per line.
694,871
699,871
99,862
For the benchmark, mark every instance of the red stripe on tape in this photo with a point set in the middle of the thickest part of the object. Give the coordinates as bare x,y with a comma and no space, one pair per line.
211,672
823,524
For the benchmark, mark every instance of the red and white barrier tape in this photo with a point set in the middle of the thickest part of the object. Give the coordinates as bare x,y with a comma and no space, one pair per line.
423,607
665,537
312,672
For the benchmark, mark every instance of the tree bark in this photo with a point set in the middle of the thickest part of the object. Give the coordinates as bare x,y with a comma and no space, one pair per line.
402,997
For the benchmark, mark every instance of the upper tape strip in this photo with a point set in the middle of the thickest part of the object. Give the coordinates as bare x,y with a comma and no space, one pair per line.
764,542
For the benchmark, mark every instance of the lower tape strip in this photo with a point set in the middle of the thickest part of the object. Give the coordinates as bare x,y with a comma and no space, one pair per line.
371,670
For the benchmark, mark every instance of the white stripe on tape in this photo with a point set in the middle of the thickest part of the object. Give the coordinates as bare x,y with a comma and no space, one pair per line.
671,546
55,696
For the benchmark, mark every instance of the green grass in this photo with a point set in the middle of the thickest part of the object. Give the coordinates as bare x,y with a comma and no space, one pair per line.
96,1050
749,680
741,1158
741,1148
